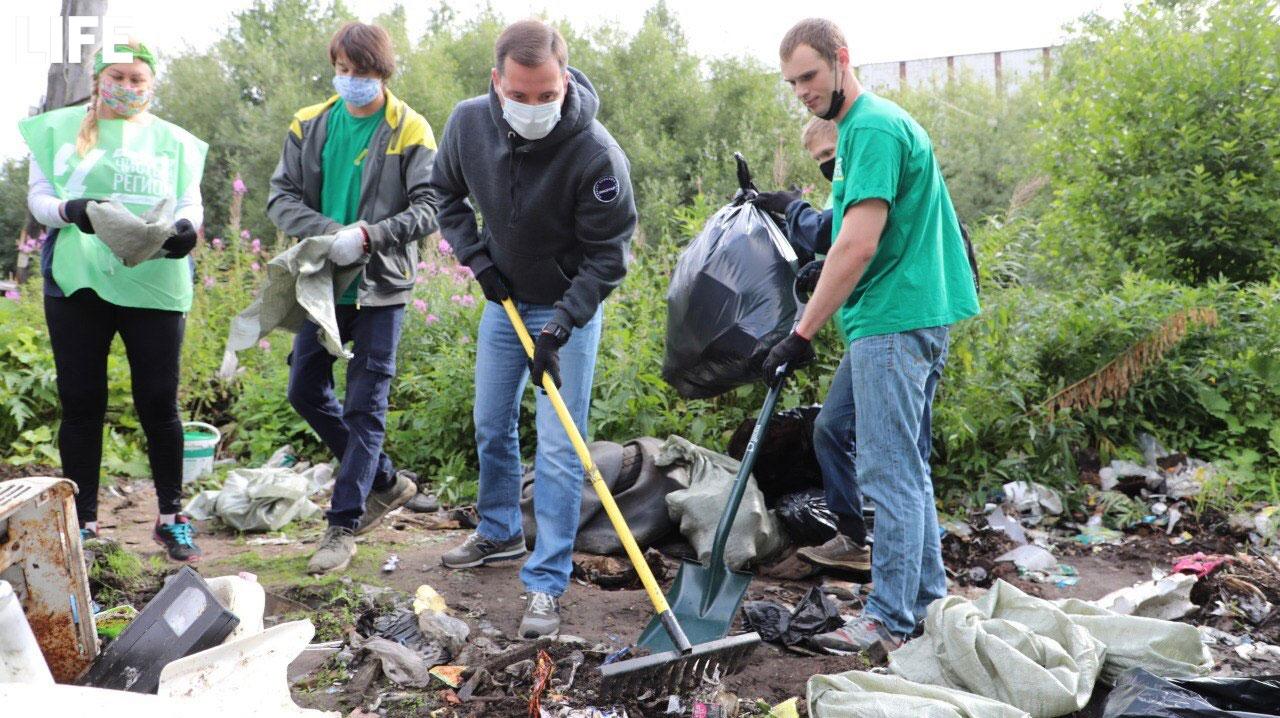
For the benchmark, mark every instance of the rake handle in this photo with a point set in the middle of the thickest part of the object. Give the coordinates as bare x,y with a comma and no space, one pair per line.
650,583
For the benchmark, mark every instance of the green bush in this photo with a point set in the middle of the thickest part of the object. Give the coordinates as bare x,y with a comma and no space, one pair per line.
1162,134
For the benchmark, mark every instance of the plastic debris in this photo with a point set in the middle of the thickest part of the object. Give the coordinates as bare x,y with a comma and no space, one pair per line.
1000,521
449,675
427,597
806,517
1165,597
112,622
1199,564
785,709
779,624
1140,694
543,668
1032,500
263,499
1029,557
390,565
402,664
444,629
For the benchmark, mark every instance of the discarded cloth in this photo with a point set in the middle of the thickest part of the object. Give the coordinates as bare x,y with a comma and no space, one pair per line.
1139,694
301,283
858,694
403,665
262,499
1040,656
131,238
1166,597
778,624
756,535
1006,646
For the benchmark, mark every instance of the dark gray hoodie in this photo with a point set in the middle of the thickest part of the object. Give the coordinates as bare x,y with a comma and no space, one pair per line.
558,212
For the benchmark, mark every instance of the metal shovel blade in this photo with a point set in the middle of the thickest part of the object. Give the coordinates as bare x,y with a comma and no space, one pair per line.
705,599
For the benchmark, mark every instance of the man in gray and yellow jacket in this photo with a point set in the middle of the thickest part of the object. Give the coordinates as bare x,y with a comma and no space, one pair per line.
358,167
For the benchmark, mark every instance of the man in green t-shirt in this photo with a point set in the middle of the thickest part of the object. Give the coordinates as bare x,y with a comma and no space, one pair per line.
898,277
358,167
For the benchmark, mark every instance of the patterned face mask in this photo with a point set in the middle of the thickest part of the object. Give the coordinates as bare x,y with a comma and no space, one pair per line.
122,99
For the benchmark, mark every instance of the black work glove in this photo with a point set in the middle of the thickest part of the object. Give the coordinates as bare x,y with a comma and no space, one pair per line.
492,284
776,202
807,279
182,241
73,210
794,352
546,353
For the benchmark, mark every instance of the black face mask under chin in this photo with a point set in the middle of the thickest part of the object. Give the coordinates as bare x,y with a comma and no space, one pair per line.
837,102
828,168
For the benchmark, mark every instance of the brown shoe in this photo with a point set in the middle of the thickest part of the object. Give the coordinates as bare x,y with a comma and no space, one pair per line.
839,553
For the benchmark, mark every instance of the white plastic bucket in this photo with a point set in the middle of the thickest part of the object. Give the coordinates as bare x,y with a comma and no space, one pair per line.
20,658
199,444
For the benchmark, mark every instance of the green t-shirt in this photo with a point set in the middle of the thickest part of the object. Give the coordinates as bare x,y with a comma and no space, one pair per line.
919,276
342,161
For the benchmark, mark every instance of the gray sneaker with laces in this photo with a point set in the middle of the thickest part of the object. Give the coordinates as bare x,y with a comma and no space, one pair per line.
478,550
381,503
541,616
335,552
860,634
839,553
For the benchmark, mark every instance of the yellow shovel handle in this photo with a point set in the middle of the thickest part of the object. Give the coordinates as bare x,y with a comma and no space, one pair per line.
597,482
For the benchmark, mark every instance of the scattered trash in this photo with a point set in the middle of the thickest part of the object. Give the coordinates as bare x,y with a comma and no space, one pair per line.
444,629
400,663
311,658
449,675
1110,476
1094,533
1140,694
401,627
1000,521
263,499
1199,564
614,574
391,563
806,517
1030,557
815,614
183,619
427,598
112,622
1258,652
785,709
543,668
280,540
1163,597
1031,500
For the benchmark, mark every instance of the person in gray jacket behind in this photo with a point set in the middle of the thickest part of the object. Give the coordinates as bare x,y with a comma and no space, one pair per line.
357,166
555,192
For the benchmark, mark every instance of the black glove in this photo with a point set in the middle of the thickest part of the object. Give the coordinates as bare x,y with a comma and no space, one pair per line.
776,202
182,241
73,211
546,353
794,352
492,284
807,279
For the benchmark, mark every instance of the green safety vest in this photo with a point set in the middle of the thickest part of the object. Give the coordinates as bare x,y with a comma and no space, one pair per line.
137,163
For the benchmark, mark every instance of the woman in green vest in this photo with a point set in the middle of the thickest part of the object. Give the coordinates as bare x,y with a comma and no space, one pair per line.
114,149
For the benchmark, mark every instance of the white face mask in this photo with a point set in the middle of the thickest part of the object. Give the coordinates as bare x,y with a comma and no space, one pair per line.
532,122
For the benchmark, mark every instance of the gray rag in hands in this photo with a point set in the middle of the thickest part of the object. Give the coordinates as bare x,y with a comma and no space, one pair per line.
131,238
301,283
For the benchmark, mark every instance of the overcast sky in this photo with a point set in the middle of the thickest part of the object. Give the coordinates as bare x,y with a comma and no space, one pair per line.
877,32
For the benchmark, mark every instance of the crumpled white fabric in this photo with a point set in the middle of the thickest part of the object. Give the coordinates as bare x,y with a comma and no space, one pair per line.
301,283
1040,656
858,694
262,499
756,535
131,238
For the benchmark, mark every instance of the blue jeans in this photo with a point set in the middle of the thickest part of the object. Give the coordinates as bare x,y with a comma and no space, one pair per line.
834,445
884,399
502,368
354,429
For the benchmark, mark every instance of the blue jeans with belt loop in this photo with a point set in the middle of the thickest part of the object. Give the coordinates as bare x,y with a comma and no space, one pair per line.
502,369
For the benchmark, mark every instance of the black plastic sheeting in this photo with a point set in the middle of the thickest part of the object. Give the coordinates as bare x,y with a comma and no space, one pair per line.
731,298
816,613
785,459
806,517
1140,694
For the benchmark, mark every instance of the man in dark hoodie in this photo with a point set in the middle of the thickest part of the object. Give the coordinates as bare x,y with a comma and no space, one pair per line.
555,193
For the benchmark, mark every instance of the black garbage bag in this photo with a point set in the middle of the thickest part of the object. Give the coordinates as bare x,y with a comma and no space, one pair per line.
813,615
731,298
806,517
785,459
1141,694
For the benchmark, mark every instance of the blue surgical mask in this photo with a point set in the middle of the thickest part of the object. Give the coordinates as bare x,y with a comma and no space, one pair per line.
532,122
357,91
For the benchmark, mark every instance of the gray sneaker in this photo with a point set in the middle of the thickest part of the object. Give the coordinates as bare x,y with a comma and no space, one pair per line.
381,503
478,550
861,634
335,552
839,553
541,616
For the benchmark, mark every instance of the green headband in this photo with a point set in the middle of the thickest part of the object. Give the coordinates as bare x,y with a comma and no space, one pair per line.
139,53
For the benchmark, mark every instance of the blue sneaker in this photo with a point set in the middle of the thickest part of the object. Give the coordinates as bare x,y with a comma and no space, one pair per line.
178,540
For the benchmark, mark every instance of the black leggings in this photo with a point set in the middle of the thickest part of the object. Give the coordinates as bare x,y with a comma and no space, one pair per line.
81,328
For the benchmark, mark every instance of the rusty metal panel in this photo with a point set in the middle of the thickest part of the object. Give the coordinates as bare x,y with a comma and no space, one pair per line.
41,556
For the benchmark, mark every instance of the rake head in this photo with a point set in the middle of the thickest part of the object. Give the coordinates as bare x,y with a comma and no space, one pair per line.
674,671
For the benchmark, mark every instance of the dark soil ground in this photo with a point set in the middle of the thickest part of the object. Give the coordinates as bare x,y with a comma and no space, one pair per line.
490,600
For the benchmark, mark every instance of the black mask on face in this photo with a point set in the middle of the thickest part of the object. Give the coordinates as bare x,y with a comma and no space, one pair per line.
828,168
837,100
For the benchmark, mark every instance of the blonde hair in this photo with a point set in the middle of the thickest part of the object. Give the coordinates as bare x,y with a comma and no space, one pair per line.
88,135
818,129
